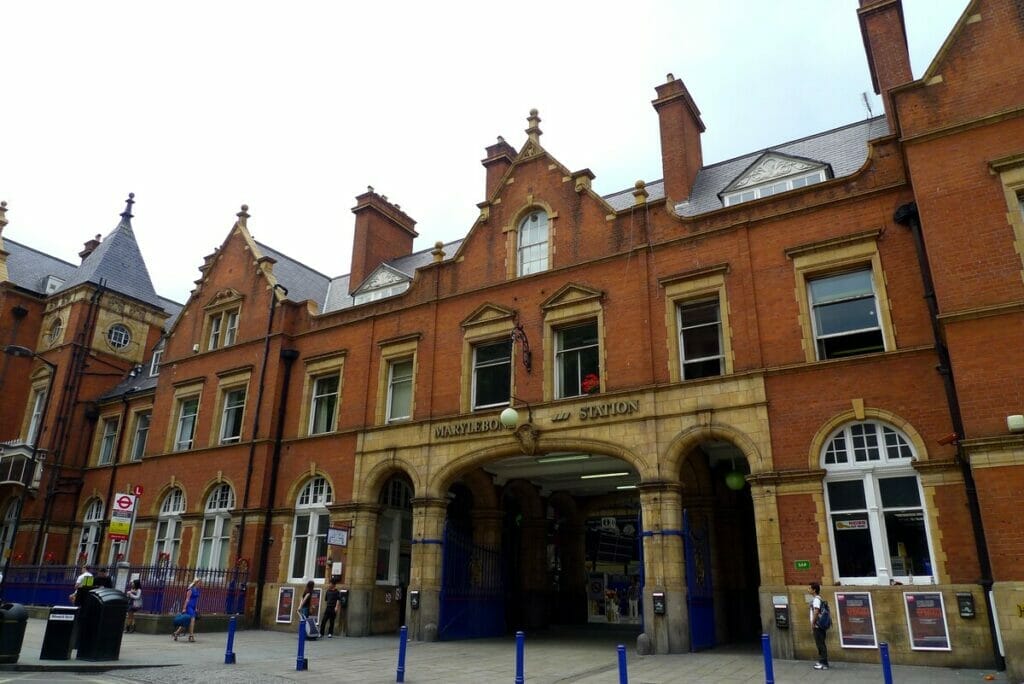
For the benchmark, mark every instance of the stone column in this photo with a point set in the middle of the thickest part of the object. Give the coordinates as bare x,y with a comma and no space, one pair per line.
535,573
428,518
664,569
764,492
361,573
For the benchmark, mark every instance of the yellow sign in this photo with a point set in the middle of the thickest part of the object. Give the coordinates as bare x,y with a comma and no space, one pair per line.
121,514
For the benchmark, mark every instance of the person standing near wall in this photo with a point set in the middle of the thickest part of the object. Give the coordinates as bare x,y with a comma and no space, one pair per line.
330,611
819,632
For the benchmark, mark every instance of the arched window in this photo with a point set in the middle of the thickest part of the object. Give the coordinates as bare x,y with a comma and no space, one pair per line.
878,524
533,243
168,528
394,532
216,539
89,541
309,536
9,527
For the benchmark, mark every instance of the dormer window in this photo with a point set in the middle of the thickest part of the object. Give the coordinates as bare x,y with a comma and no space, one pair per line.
154,366
771,174
385,282
52,283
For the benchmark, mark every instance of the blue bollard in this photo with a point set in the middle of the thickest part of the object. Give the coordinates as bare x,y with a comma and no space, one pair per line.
886,665
520,643
403,636
229,653
766,650
623,676
300,660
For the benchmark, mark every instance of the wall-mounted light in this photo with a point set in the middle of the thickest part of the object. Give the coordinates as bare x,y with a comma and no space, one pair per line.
510,416
1015,423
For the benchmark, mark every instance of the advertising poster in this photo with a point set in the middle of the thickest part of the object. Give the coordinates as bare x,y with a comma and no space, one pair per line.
926,620
285,599
856,620
314,604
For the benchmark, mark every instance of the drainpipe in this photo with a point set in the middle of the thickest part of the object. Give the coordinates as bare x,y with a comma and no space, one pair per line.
256,419
121,428
288,356
907,216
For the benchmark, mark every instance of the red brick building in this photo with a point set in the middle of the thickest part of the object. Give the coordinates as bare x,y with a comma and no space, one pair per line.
797,365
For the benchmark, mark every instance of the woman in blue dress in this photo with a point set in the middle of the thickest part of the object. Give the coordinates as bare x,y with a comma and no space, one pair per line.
191,609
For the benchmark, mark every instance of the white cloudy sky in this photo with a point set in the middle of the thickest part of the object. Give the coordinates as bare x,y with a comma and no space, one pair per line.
294,108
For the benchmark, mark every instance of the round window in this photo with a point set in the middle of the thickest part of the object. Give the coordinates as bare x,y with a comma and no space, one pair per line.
118,336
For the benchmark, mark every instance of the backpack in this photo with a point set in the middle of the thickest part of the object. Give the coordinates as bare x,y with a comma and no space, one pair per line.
824,616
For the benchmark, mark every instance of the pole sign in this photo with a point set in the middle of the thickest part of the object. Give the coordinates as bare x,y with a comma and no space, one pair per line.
121,517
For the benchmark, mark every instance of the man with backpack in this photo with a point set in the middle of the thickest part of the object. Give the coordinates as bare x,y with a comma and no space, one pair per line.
821,620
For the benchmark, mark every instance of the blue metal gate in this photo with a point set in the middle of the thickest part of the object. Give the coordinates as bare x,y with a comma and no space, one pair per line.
699,596
472,591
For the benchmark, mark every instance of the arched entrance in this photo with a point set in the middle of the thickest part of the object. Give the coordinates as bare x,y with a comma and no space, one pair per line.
719,546
556,534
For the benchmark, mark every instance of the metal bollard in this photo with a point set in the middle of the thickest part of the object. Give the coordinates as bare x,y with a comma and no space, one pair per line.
886,665
403,636
520,643
766,650
300,660
229,653
623,676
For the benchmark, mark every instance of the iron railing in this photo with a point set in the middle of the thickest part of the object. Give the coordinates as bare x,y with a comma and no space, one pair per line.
164,587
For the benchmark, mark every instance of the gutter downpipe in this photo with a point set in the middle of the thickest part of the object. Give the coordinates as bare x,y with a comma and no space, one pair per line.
288,356
256,419
907,215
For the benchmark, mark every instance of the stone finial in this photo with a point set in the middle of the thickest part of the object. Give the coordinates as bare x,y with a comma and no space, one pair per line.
127,213
669,77
534,131
438,251
640,192
243,216
3,214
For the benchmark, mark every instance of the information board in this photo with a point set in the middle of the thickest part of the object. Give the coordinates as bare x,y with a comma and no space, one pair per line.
285,600
856,620
926,620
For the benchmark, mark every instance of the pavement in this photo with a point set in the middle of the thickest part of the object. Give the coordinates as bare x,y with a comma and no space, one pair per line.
557,657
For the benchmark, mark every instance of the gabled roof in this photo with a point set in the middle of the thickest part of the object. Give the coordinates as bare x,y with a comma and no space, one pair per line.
844,149
117,263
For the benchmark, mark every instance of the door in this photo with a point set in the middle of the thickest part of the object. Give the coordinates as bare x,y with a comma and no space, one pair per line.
699,596
472,591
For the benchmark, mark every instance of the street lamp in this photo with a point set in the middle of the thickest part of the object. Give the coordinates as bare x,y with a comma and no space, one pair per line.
25,352
526,434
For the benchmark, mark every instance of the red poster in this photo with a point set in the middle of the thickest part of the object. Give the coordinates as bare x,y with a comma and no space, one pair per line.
926,620
856,620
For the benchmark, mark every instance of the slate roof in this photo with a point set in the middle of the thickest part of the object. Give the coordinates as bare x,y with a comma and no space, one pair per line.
28,268
301,281
845,149
117,263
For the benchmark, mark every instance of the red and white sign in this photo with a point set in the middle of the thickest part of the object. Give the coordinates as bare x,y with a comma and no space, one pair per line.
121,515
137,490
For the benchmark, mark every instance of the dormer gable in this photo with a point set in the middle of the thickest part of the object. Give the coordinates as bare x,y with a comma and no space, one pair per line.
383,282
772,173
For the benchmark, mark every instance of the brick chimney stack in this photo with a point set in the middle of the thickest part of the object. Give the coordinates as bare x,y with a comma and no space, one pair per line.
383,232
499,158
885,41
681,156
90,247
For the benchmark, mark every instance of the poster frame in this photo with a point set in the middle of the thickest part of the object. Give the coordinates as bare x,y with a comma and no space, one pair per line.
839,611
284,610
910,624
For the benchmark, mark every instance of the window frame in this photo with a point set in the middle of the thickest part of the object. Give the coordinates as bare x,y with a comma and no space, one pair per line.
313,505
814,306
561,354
477,368
223,316
35,416
392,351
394,531
169,524
118,336
232,415
154,364
524,266
849,252
775,186
870,473
216,546
90,539
106,442
181,444
139,445
8,527
393,382
681,338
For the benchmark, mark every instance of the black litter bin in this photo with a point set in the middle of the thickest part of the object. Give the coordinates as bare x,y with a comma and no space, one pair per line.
59,637
13,618
101,624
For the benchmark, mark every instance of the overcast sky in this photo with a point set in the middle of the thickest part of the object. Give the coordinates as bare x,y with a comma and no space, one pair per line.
294,108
